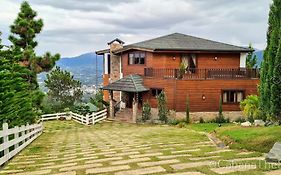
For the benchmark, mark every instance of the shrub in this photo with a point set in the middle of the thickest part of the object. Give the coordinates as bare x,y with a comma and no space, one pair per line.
251,107
240,120
182,70
201,120
187,117
220,118
146,112
173,121
163,110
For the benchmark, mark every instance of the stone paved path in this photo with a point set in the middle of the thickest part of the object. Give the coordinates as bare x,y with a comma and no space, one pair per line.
67,148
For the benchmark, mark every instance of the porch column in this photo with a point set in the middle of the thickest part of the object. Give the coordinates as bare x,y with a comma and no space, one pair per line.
111,105
135,107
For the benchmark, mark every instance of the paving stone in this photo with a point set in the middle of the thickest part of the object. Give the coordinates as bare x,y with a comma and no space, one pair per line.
231,169
245,159
187,173
203,158
66,173
123,154
80,159
34,172
78,167
104,160
59,166
146,155
162,162
185,151
120,162
219,151
10,171
107,169
21,163
182,166
275,172
151,170
274,154
173,156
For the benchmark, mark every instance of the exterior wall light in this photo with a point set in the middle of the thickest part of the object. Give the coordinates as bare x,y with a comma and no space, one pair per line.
203,97
215,58
174,57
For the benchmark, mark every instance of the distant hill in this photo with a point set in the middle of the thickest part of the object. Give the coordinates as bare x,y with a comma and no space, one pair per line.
83,67
259,54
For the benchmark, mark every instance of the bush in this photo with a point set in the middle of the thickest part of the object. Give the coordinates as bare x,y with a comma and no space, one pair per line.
201,120
182,70
173,121
146,112
240,120
251,108
187,117
163,110
220,118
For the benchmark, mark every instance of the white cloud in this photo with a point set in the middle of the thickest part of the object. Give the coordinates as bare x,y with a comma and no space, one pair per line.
73,27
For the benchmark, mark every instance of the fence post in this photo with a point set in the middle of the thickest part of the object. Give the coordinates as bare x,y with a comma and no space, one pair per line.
93,118
5,139
16,136
87,119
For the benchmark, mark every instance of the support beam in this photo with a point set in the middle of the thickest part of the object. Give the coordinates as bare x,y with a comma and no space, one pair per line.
111,105
135,107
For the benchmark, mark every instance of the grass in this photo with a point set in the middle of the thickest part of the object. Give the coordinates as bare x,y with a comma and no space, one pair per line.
259,139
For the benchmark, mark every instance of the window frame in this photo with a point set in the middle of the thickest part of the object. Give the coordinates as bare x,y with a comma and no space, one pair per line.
157,89
236,91
139,58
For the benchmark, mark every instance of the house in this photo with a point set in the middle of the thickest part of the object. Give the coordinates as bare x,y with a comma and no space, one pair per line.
181,66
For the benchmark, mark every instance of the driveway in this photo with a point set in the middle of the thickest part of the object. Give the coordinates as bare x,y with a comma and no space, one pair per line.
69,148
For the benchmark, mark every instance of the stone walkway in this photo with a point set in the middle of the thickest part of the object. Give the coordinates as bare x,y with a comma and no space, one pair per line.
67,148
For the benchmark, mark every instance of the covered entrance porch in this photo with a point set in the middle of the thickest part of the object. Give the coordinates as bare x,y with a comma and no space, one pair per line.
132,88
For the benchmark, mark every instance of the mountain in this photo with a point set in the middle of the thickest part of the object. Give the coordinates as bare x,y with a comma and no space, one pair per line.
259,54
82,67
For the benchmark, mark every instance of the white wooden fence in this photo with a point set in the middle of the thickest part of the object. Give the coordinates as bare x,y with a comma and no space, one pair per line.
85,120
20,137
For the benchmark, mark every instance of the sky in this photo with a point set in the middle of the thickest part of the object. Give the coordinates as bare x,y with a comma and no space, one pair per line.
74,27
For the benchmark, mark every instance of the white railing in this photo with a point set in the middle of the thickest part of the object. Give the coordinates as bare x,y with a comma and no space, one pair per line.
85,120
20,137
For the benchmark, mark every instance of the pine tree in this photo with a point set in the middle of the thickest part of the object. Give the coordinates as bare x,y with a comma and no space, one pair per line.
251,59
163,110
62,88
187,110
269,63
15,98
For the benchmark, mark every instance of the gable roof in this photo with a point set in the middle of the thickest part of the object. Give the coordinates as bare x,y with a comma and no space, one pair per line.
130,83
181,42
117,40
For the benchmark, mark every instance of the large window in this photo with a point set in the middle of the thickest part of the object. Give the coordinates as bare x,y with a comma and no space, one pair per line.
136,58
156,91
233,96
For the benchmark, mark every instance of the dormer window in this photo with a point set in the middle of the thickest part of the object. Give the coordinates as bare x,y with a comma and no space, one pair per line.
136,58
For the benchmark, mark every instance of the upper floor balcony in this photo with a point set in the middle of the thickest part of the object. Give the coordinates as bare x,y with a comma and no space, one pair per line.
202,74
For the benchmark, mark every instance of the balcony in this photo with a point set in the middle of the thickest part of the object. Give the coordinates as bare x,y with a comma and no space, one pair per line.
202,74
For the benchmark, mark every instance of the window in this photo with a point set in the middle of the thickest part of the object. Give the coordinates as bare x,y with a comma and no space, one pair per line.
155,92
232,96
136,58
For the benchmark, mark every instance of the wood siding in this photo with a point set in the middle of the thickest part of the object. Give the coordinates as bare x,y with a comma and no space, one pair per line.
172,61
177,90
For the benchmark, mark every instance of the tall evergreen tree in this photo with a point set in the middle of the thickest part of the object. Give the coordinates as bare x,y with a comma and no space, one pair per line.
23,33
15,97
269,70
251,59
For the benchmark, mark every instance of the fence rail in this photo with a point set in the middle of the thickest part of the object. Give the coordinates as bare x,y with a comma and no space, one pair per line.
193,74
17,138
85,120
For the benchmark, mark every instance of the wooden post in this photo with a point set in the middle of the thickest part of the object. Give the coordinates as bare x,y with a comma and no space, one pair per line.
111,106
16,136
5,138
135,107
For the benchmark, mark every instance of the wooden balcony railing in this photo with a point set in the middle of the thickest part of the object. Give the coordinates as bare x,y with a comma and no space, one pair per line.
240,73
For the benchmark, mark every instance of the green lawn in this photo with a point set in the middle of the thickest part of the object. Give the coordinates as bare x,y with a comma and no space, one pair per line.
259,139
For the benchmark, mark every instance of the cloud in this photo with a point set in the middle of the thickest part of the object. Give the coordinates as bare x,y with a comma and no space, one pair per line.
74,26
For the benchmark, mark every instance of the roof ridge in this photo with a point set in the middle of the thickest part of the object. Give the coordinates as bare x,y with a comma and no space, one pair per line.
133,80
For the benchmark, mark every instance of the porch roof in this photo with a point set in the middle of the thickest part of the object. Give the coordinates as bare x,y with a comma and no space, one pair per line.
130,83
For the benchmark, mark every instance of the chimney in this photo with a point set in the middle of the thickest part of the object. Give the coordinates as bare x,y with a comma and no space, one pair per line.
115,44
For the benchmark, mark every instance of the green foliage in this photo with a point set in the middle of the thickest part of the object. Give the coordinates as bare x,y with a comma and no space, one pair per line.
251,107
270,84
146,112
163,110
182,70
201,120
98,100
63,89
251,59
23,34
220,118
16,100
187,117
81,109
